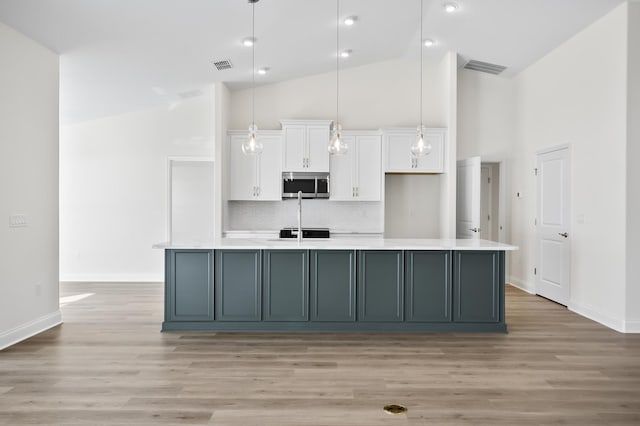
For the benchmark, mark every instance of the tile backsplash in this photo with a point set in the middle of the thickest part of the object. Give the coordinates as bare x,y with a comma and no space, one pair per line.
338,216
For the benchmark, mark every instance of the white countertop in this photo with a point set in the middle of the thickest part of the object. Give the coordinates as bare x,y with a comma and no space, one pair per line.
343,243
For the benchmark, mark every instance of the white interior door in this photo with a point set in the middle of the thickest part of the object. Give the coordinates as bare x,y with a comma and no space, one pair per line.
468,199
553,213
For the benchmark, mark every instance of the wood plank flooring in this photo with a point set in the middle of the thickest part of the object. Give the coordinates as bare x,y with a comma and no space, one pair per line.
108,364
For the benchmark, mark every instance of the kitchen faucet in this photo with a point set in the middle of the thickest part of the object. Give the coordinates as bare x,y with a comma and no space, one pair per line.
299,216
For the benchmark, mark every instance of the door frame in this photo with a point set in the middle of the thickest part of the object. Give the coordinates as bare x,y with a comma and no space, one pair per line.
536,256
489,199
169,189
475,193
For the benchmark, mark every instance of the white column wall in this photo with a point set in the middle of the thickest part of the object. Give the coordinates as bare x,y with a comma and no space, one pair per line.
29,81
577,95
633,171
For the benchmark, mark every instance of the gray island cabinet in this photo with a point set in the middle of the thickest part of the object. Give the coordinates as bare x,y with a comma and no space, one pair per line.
381,285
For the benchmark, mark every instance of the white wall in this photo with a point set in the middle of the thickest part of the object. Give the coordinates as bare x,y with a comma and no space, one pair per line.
577,95
374,96
449,99
384,94
410,210
486,116
633,171
29,186
113,188
222,112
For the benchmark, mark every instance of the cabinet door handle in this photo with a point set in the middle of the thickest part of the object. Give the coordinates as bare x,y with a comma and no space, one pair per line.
563,234
357,191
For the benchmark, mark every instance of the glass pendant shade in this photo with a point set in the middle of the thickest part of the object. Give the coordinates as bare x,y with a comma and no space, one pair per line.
252,146
420,147
336,144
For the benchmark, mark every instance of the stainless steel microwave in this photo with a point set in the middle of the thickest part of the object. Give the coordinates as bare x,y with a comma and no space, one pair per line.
312,185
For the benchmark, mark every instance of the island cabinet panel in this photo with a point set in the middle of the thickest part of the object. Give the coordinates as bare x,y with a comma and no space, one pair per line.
189,293
380,285
478,286
333,285
238,285
286,285
428,286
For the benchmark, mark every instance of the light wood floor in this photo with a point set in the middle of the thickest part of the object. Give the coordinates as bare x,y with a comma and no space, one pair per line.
109,364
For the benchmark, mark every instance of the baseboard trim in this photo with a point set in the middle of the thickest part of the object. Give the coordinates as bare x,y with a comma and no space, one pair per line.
597,316
24,331
112,278
515,282
632,326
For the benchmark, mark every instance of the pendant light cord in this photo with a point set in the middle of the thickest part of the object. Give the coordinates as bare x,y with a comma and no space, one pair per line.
421,19
253,65
337,63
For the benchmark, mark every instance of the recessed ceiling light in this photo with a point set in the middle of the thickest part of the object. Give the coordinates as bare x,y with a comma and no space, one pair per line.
249,41
263,70
429,42
345,53
350,20
450,7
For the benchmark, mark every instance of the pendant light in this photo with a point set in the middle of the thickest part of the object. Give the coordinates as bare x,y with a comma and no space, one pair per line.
420,147
252,146
336,144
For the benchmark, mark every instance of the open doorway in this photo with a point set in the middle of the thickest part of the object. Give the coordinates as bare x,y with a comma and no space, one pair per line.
190,201
481,200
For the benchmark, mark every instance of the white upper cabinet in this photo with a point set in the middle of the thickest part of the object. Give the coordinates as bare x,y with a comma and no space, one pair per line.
397,150
255,177
305,145
357,175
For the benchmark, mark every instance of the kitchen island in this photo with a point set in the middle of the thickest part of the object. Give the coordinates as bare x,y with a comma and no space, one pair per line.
337,284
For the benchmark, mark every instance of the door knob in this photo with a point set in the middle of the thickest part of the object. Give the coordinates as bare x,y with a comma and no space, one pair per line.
474,229
563,234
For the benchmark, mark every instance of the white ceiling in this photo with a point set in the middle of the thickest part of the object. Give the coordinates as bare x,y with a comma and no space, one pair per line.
126,55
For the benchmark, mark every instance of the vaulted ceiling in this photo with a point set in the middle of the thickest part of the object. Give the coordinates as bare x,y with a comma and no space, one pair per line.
124,55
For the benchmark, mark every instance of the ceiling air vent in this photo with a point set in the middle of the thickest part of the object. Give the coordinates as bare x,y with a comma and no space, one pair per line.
223,65
484,67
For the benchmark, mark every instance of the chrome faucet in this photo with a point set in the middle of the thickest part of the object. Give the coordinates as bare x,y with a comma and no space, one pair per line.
299,216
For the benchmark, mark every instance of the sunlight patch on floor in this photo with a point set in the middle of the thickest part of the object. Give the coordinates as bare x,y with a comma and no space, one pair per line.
65,300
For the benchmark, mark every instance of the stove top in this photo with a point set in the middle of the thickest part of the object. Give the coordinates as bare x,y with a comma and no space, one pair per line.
306,233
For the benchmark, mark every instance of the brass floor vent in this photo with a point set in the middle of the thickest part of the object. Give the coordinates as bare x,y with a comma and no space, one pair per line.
395,409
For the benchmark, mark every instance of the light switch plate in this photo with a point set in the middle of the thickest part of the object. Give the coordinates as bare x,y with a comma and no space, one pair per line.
18,221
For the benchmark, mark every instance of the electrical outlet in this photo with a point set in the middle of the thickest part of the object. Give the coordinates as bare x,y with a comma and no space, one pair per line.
18,221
